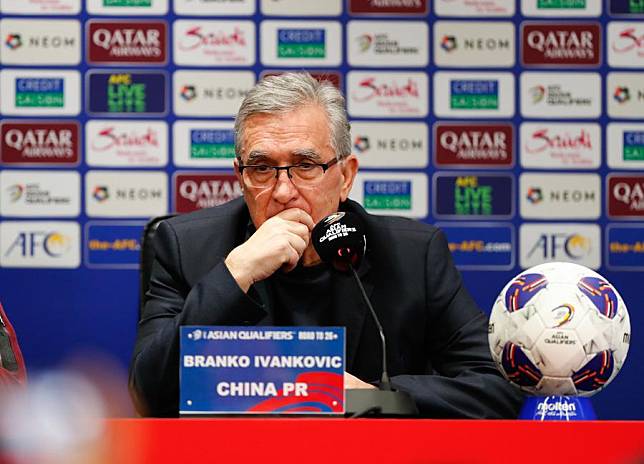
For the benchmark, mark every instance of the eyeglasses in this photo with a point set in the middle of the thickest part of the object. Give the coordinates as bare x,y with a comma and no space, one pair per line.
305,174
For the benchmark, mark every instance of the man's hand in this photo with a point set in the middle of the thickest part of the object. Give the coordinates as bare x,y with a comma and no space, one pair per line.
280,241
351,381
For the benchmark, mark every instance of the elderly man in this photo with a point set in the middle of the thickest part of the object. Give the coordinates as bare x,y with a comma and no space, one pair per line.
251,262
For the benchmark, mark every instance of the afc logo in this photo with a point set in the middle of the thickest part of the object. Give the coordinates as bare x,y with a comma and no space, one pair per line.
558,245
34,243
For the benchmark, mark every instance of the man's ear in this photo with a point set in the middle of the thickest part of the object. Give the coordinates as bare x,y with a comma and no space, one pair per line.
349,168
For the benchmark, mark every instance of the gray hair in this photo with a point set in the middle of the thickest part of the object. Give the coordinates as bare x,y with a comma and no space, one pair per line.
290,91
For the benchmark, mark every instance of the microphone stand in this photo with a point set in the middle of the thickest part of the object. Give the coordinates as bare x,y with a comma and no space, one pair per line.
384,401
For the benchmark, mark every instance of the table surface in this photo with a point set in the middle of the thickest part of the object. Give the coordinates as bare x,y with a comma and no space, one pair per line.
361,440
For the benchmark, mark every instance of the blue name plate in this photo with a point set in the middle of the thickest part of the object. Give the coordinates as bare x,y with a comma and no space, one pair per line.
261,370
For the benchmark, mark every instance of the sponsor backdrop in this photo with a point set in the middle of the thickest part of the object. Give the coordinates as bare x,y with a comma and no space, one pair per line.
514,125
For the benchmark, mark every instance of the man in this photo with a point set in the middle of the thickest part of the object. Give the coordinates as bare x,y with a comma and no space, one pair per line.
250,262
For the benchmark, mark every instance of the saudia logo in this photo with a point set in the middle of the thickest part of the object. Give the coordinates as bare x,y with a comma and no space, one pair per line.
628,41
368,89
194,38
40,92
474,94
109,139
301,43
633,145
212,143
541,140
387,195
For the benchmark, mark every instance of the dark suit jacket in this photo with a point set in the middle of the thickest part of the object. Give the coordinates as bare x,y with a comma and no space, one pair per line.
437,337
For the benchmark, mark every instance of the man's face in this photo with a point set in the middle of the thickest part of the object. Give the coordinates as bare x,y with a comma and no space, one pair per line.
291,138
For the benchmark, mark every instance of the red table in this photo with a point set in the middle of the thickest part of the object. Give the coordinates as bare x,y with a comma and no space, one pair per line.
369,440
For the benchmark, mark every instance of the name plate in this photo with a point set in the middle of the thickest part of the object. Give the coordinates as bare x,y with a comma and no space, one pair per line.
261,370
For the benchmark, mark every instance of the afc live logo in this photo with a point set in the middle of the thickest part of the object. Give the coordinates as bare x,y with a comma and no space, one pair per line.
140,93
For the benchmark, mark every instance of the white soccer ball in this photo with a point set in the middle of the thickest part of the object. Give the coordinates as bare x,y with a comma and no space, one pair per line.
559,329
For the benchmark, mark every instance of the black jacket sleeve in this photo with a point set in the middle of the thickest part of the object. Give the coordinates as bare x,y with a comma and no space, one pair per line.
171,302
465,381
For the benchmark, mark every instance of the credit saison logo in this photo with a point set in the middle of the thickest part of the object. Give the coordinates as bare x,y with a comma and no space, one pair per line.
196,190
473,195
561,4
40,92
385,194
39,142
127,3
212,143
141,93
301,43
474,144
138,42
633,145
561,43
474,94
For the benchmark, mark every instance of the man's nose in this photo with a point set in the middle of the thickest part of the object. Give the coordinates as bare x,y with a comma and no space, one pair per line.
284,189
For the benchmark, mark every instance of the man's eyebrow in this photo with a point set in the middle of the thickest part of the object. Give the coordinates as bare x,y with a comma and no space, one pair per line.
256,156
307,153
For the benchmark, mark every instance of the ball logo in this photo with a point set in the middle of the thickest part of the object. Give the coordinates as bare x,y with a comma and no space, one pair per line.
127,42
562,314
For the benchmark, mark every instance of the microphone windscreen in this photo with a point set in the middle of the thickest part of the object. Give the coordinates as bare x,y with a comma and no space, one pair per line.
340,240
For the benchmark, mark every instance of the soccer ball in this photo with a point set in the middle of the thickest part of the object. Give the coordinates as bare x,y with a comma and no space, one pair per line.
559,329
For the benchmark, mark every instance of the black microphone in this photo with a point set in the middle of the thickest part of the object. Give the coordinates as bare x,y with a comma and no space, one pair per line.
340,240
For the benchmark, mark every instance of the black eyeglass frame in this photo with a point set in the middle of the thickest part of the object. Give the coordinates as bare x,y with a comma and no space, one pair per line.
324,166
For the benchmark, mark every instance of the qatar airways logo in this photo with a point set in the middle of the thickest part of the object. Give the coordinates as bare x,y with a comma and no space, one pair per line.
388,94
561,43
369,88
140,42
